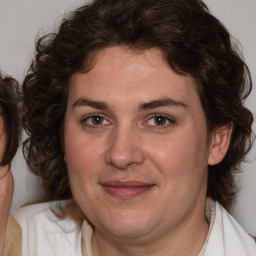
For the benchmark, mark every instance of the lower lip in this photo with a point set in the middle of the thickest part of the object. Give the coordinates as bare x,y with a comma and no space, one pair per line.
127,192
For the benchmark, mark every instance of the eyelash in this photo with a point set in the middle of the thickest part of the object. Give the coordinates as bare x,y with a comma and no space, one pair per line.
164,117
85,121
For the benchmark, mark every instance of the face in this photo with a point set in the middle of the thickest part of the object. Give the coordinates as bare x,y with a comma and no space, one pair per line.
136,145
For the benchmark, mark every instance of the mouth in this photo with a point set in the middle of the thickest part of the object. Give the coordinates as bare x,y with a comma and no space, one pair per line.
126,189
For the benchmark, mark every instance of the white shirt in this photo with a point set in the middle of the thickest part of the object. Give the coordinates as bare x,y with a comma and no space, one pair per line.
45,234
227,238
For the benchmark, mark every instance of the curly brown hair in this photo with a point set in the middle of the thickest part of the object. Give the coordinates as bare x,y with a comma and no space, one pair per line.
193,42
9,98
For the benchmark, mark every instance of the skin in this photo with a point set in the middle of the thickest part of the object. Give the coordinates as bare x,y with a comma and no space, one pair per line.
132,119
6,187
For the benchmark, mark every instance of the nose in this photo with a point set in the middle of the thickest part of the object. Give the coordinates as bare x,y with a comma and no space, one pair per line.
125,149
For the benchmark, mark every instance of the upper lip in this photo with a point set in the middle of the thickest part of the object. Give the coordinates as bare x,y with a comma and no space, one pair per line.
126,183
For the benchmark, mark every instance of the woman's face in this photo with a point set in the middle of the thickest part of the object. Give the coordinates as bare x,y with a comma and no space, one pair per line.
136,145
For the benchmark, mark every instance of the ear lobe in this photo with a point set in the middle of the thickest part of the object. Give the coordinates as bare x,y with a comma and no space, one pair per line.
219,144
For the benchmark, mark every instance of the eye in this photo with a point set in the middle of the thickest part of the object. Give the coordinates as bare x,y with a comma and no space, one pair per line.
159,121
95,120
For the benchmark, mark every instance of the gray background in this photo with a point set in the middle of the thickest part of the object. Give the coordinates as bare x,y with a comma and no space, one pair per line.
22,21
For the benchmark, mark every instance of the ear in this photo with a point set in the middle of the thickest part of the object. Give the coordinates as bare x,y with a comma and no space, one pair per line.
220,140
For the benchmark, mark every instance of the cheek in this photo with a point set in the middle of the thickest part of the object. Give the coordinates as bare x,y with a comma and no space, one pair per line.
81,169
181,156
84,158
80,156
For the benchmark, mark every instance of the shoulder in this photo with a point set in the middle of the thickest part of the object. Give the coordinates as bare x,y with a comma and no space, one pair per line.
33,212
13,227
228,238
46,230
13,238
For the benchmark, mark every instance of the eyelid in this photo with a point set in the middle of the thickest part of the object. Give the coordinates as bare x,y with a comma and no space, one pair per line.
87,117
170,120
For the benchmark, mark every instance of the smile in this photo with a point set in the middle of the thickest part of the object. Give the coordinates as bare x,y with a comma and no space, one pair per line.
126,189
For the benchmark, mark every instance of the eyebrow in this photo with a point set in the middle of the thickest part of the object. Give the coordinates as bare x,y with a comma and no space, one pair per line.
144,106
91,103
161,103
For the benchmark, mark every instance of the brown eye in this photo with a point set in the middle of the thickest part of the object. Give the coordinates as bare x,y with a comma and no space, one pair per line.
160,120
94,121
97,120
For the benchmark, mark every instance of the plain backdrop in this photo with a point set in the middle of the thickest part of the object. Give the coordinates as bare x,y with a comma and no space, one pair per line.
22,21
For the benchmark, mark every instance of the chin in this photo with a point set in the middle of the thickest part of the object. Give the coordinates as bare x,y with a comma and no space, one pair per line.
127,225
128,231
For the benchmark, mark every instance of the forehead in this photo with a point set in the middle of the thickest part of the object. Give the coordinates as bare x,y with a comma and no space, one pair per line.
118,73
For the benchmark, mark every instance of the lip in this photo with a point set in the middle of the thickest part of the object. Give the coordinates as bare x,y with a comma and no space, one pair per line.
126,189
